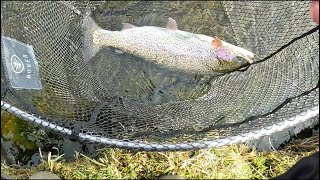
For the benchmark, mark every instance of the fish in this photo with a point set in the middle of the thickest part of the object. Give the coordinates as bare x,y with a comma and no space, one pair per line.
168,47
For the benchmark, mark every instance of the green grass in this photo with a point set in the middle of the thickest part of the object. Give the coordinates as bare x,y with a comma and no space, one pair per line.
237,161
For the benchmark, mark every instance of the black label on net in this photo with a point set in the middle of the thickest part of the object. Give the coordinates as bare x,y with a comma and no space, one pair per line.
21,65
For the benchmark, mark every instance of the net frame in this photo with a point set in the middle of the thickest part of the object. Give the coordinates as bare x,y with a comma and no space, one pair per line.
290,125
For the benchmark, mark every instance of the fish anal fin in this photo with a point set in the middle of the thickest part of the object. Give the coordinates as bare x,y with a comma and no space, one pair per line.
171,24
127,26
217,43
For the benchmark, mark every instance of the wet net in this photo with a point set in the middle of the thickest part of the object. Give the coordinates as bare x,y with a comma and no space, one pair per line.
120,100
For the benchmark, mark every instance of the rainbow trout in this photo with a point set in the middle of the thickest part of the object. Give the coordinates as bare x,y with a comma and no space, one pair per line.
167,47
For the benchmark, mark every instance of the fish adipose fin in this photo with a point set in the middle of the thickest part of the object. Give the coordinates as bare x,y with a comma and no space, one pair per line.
171,24
127,26
90,49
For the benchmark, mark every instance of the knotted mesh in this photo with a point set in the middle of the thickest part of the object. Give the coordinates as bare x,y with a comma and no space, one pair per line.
122,100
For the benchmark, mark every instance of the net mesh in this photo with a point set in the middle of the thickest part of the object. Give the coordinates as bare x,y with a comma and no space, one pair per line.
121,98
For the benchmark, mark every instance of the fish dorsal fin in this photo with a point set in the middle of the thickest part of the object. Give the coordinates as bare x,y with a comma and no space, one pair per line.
127,26
171,24
217,43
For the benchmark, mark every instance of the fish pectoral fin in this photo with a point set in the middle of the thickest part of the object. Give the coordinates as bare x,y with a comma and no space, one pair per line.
217,43
171,24
127,26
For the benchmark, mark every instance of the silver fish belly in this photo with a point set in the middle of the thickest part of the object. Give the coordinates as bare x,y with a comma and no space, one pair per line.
167,47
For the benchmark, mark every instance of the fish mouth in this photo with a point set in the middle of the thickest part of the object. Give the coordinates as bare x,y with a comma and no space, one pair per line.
235,55
243,61
239,52
242,54
230,64
247,57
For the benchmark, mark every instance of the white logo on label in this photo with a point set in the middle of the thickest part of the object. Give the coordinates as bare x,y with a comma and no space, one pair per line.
17,64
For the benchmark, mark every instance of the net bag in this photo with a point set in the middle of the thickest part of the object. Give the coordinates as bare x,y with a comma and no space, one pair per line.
120,100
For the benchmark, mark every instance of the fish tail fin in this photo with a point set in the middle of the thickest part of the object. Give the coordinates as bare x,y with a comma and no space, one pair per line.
89,29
